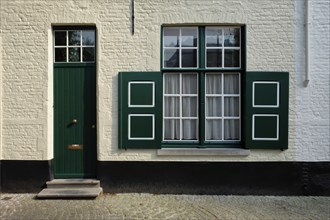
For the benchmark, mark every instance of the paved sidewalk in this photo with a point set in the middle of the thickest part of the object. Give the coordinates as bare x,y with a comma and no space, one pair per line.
149,206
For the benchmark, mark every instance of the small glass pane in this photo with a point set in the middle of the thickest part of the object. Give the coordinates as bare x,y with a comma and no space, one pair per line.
231,106
60,38
213,107
171,58
189,58
189,106
189,37
231,129
231,58
214,58
172,83
231,83
231,37
213,84
189,83
88,38
213,129
60,54
74,54
88,54
171,37
74,38
189,129
172,107
213,37
172,129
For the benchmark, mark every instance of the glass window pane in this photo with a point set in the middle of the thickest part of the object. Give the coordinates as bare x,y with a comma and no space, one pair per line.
60,38
214,58
172,129
171,58
213,84
213,107
231,58
231,129
60,54
189,106
74,38
189,37
231,106
189,58
213,129
74,54
172,107
231,83
189,83
88,54
88,37
172,83
189,129
231,37
213,37
171,37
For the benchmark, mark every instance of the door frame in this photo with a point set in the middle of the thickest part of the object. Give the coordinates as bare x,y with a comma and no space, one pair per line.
51,86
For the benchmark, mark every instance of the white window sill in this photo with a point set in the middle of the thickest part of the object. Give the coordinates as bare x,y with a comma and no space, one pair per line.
203,152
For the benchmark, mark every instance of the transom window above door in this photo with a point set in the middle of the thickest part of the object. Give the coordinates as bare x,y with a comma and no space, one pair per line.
74,46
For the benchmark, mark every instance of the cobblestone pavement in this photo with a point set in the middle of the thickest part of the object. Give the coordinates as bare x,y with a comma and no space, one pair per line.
149,206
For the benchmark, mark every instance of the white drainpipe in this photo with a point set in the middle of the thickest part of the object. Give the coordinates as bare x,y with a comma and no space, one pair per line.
307,42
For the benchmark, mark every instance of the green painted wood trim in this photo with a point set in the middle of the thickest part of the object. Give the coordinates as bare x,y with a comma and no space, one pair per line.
282,110
124,110
71,64
74,27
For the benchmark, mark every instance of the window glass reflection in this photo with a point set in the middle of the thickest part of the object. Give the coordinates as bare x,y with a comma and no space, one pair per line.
88,38
189,37
231,37
213,37
74,38
214,58
60,38
171,37
60,54
88,54
74,54
171,58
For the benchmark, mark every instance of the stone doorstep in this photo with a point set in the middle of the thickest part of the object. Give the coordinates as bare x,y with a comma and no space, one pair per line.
71,188
73,183
69,193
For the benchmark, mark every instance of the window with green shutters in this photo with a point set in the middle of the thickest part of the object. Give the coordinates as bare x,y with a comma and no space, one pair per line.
203,97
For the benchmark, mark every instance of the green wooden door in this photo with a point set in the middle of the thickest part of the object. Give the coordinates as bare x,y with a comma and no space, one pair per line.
74,120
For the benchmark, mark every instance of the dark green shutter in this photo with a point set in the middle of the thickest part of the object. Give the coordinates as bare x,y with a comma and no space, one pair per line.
266,110
140,110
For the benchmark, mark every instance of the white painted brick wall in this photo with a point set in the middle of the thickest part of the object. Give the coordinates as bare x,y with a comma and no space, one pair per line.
313,102
27,63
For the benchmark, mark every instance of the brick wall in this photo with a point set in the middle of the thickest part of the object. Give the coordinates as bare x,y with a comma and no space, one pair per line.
313,101
27,64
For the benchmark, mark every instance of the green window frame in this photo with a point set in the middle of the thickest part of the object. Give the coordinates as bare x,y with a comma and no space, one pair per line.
210,43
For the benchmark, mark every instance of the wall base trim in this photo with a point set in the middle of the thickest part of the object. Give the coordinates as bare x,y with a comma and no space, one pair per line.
221,178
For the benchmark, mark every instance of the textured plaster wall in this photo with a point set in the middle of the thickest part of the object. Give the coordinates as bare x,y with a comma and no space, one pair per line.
313,101
27,97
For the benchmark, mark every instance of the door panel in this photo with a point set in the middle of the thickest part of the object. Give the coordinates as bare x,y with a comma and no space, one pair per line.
74,120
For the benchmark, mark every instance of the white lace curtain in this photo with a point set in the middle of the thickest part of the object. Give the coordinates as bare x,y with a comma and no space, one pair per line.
221,107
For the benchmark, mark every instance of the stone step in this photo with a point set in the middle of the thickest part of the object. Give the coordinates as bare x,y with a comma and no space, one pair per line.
66,193
73,183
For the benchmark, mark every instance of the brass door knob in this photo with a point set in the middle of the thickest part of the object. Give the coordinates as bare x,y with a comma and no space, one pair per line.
74,121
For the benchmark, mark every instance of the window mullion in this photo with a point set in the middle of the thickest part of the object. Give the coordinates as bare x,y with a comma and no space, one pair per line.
81,50
67,46
222,107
